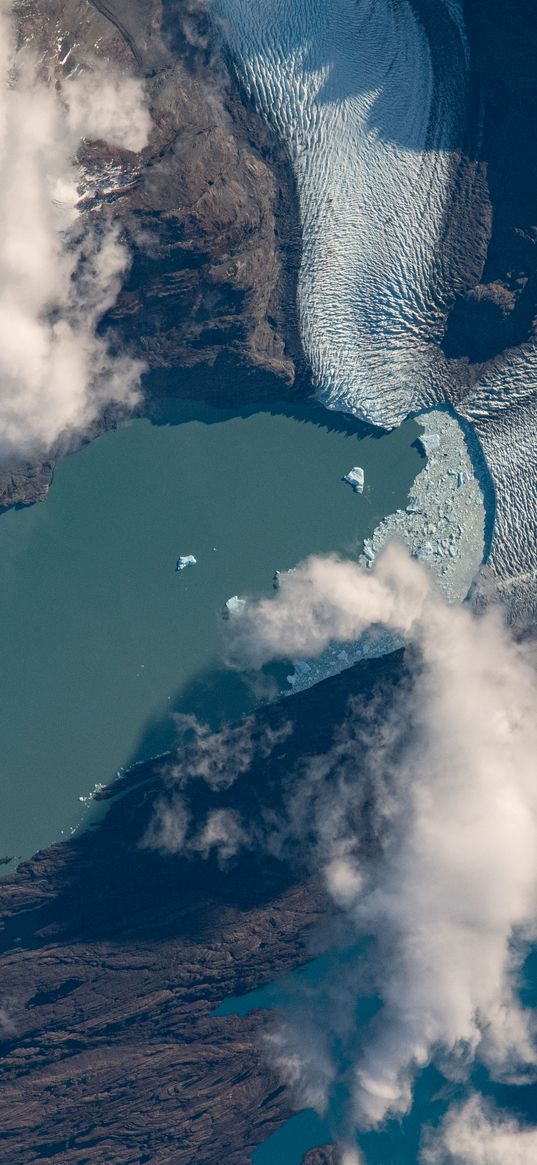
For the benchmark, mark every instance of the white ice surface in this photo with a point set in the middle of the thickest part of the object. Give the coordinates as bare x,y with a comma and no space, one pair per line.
371,118
349,85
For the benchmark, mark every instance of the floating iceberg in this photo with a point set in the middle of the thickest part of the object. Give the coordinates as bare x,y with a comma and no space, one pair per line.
234,606
356,478
185,560
369,552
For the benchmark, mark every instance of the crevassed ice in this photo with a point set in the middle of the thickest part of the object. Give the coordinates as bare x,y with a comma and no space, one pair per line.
350,86
503,411
372,120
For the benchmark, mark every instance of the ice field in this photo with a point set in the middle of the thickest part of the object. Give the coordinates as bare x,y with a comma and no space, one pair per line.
371,103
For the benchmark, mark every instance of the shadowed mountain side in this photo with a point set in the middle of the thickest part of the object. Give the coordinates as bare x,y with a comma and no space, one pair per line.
499,312
114,957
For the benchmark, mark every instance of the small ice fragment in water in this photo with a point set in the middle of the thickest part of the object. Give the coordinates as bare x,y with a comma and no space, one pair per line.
276,580
355,477
234,606
185,560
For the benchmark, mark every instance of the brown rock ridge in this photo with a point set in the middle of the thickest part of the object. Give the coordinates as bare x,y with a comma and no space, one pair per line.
114,961
324,1155
113,957
209,212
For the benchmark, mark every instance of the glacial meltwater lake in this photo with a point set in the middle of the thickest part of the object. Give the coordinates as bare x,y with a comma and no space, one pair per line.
101,640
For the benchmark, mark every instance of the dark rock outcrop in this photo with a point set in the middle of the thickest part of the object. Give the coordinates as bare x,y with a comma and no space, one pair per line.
324,1155
24,483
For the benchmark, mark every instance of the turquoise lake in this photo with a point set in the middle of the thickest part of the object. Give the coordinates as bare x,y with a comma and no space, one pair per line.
101,640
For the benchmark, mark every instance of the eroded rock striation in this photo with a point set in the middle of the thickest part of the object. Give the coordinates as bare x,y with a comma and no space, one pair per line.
114,956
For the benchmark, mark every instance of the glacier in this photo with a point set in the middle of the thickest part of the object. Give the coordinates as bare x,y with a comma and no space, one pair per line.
372,124
369,98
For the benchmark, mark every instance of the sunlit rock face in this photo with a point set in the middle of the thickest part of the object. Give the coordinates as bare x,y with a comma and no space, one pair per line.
371,104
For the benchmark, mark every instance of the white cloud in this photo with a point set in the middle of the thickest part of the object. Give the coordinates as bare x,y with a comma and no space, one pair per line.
104,105
58,276
172,830
222,831
473,1134
344,880
167,831
351,1157
449,893
326,600
218,758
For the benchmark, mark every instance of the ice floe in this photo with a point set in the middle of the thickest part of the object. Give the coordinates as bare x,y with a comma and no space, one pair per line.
444,522
184,561
233,606
443,526
356,478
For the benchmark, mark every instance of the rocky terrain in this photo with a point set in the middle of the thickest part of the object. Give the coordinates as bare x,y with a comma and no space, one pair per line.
208,211
114,956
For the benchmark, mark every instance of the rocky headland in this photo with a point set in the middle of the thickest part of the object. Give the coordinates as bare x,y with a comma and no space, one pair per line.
114,956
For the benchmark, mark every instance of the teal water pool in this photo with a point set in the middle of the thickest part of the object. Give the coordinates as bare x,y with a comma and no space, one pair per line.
101,639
